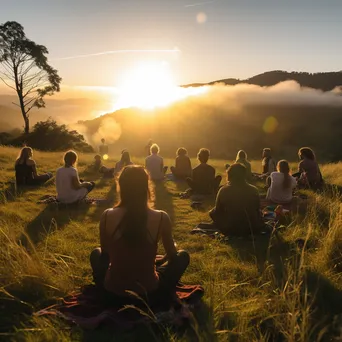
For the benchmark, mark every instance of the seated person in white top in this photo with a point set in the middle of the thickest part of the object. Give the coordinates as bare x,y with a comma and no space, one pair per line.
68,185
155,164
281,184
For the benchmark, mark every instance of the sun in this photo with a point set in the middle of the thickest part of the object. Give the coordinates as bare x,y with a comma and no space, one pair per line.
148,86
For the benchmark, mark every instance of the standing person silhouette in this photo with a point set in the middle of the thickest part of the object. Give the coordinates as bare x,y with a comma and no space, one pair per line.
103,149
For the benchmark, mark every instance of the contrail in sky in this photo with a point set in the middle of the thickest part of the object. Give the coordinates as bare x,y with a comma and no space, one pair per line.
112,52
200,3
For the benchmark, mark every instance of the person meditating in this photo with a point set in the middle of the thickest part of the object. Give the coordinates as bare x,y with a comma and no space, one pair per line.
241,158
237,208
309,173
26,170
183,169
155,164
268,163
203,179
124,161
68,185
129,237
281,184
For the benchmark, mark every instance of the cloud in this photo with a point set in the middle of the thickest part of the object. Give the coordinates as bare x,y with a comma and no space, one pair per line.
112,52
200,3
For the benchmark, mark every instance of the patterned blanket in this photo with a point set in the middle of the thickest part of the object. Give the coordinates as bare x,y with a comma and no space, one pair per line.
87,310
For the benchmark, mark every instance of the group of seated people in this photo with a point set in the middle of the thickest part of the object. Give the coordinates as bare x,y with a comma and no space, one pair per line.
130,232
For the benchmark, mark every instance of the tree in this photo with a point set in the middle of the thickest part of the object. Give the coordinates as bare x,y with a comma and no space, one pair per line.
25,69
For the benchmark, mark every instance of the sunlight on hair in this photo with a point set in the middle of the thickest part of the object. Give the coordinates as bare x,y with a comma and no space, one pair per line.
270,125
105,157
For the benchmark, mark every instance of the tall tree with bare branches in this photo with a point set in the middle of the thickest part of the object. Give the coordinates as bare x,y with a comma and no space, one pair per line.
24,68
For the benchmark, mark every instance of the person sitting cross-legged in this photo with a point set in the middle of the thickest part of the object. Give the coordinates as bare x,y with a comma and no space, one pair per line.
203,181
281,184
241,158
155,164
129,237
237,208
183,169
26,169
68,185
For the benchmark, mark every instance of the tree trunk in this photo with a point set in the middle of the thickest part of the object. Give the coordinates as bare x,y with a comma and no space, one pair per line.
27,124
19,88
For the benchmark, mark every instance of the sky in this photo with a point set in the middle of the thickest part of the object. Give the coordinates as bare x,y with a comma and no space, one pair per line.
95,42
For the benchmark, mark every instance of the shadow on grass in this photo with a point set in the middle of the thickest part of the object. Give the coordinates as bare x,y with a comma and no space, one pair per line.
163,199
52,218
315,290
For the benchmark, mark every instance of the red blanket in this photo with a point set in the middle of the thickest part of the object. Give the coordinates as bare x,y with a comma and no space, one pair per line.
86,309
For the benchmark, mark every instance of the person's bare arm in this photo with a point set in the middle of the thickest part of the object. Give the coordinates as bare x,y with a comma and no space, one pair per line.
103,237
166,236
76,184
34,168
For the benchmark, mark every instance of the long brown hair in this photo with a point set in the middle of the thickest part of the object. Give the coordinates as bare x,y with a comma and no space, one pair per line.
134,197
306,152
284,167
25,154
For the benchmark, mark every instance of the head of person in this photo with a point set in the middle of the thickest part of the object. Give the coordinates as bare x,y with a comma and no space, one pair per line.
98,159
150,142
103,140
70,158
241,155
154,149
134,198
306,153
181,152
266,152
125,157
203,155
25,154
284,167
236,173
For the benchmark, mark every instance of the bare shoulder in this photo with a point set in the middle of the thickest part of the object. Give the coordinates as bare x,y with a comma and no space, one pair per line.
157,214
30,162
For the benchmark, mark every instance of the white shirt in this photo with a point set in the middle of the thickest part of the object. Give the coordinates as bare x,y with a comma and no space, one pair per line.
276,192
154,165
65,191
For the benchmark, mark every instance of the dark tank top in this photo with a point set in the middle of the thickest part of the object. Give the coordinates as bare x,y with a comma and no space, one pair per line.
132,267
23,174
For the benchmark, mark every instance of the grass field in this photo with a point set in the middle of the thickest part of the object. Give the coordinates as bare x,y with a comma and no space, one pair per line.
287,287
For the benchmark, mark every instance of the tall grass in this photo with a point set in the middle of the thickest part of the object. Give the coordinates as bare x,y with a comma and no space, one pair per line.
284,288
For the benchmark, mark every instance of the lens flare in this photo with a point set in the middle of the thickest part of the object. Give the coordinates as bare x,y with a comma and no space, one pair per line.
270,125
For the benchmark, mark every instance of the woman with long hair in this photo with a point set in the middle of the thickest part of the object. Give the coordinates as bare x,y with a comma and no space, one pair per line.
129,237
68,185
26,169
309,173
241,158
124,161
281,184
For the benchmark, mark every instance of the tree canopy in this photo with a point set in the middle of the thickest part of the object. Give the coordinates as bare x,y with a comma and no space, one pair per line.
25,69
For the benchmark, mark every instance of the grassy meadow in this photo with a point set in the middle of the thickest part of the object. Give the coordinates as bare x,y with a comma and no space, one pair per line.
286,287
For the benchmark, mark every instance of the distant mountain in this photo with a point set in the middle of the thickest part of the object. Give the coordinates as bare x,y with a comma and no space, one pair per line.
325,81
